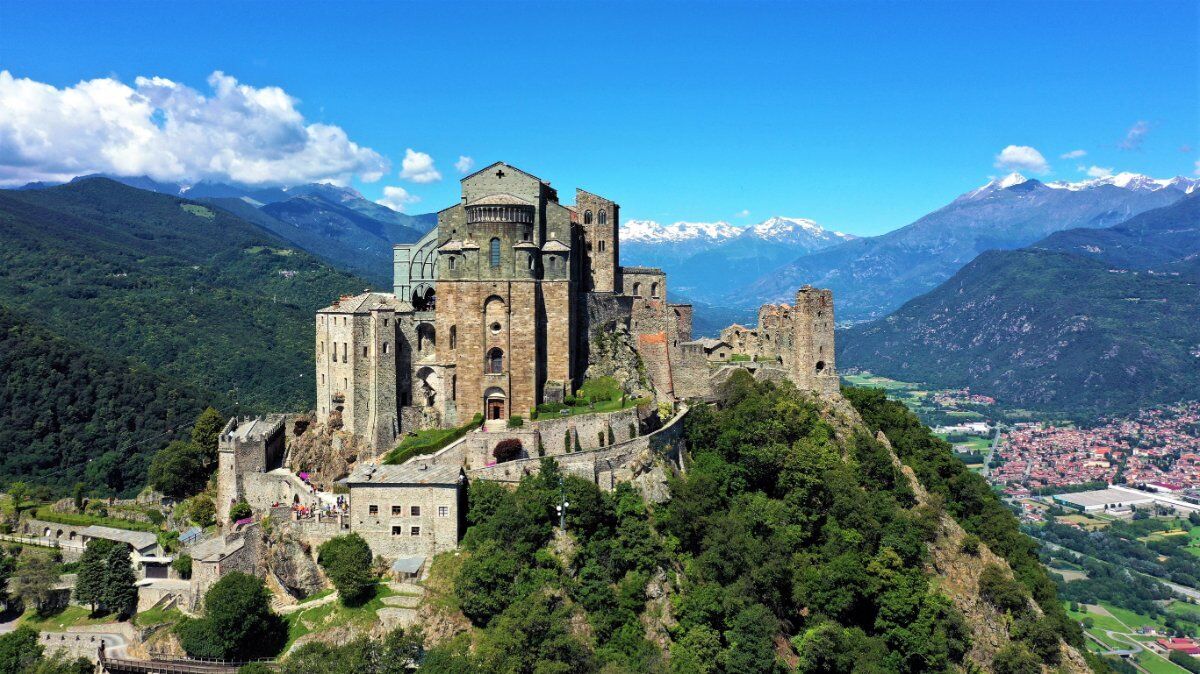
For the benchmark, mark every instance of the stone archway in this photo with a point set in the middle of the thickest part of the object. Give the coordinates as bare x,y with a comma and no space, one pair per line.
495,403
429,384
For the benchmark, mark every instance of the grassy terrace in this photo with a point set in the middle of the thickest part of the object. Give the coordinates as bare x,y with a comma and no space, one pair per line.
84,520
428,441
334,614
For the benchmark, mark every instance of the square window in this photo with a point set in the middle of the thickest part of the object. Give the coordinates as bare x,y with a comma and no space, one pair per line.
415,531
443,511
397,511
416,511
397,531
373,510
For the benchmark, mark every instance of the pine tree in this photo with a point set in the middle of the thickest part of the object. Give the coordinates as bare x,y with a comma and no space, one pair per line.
89,584
120,592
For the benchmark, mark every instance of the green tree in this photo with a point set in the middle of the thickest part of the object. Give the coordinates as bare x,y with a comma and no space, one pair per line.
19,493
206,433
120,592
237,623
183,566
34,579
92,572
179,469
201,510
80,495
347,562
1016,659
19,650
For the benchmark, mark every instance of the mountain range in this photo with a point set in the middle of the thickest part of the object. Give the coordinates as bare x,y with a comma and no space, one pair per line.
334,223
702,258
1084,321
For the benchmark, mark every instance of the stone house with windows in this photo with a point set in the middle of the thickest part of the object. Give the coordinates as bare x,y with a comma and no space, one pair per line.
413,510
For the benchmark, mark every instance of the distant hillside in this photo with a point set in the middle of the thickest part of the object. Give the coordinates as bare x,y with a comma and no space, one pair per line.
69,413
871,277
191,291
1062,331
341,235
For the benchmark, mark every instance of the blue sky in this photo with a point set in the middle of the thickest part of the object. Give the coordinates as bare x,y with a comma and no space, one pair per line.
862,116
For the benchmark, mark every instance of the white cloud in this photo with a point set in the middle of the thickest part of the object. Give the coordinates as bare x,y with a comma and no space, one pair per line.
1135,136
418,167
1073,154
1022,158
170,132
744,213
1096,171
464,164
396,198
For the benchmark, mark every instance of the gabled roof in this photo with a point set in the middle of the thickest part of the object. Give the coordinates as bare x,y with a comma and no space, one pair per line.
140,540
417,471
555,246
366,303
525,244
451,246
500,163
502,199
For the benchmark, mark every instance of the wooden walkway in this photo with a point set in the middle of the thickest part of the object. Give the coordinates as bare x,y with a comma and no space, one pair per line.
170,666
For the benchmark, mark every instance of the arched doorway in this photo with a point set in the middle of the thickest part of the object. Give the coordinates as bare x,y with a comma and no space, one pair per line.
494,402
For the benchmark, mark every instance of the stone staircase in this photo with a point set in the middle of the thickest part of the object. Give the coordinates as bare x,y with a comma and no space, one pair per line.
400,609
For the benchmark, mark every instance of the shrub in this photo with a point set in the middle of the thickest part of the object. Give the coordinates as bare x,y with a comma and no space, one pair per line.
570,401
347,562
515,421
578,447
1001,591
507,450
183,566
633,430
240,511
601,389
201,511
567,441
970,544
612,437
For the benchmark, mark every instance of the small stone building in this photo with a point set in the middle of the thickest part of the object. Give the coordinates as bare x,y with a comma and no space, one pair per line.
248,451
416,509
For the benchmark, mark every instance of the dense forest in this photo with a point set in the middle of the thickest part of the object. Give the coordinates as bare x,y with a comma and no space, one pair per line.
69,413
784,544
191,291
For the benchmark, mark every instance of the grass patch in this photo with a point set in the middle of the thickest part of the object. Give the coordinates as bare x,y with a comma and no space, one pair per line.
157,616
427,441
198,210
1156,664
334,614
71,616
740,358
318,595
83,520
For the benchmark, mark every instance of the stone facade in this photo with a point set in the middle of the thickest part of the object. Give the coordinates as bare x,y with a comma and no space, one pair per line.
412,510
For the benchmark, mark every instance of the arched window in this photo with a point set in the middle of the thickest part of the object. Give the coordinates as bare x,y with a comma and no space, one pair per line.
601,244
452,262
453,336
654,289
495,362
603,217
637,290
426,336
454,387
587,217
495,251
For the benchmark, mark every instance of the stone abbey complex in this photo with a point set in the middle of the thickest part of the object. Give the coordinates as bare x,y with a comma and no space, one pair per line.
503,323
511,301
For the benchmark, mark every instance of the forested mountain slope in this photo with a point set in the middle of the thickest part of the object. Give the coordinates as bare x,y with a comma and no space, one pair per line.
69,413
1086,321
189,290
795,541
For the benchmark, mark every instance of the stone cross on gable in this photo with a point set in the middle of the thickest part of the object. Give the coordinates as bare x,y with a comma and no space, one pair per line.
499,173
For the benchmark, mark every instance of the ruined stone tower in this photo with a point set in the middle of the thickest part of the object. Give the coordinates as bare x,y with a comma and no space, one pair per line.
812,366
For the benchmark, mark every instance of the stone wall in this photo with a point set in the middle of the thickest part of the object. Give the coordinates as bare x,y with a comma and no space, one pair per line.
623,461
591,429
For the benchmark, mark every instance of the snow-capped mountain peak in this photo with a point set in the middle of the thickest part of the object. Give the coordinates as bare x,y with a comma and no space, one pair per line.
1129,181
994,185
649,231
779,227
